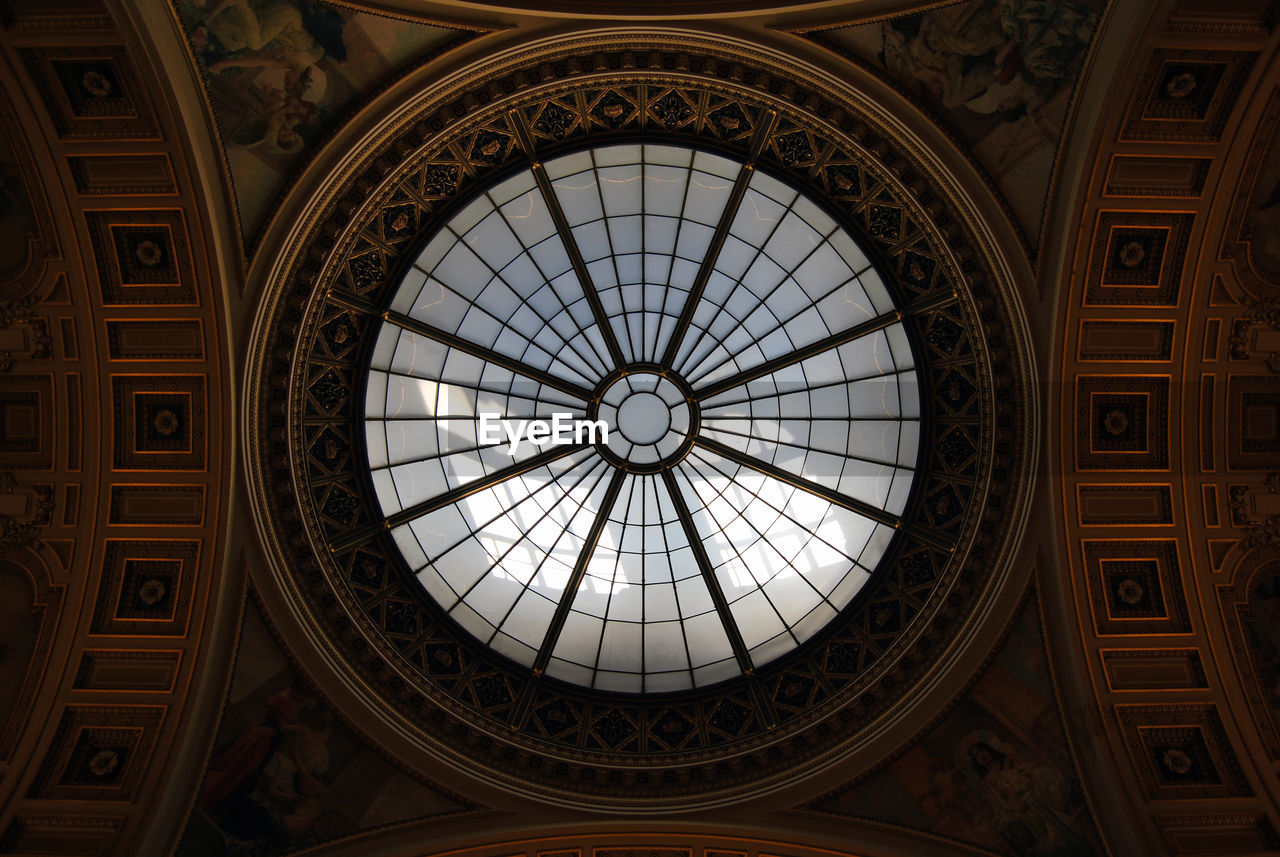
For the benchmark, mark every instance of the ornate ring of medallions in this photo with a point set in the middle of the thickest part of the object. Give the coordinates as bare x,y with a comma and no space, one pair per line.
377,594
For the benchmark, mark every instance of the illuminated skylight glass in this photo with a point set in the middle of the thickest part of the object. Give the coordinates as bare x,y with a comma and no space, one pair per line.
742,357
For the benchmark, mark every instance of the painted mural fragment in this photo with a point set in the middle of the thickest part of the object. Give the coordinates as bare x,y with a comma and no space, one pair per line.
999,73
286,773
995,772
282,74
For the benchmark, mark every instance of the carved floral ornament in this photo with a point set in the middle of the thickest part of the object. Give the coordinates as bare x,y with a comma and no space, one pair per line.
338,568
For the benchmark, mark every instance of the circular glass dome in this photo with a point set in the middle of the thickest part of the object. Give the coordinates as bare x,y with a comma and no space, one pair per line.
642,418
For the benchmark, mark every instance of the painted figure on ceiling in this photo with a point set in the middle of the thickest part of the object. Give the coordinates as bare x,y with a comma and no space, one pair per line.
236,768
268,786
1264,634
1028,799
289,792
1001,57
279,46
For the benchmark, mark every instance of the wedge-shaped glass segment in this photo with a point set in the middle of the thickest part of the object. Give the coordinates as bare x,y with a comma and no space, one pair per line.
643,217
847,419
423,403
787,560
643,618
786,277
498,275
499,560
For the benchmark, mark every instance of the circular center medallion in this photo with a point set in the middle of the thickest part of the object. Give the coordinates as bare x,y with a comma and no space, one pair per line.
649,420
643,418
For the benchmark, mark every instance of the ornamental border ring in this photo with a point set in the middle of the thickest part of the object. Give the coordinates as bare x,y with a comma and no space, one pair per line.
331,558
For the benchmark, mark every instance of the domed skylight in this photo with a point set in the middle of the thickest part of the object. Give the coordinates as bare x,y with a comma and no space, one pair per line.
751,373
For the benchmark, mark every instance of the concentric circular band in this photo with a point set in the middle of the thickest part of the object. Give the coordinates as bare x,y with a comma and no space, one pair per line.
341,574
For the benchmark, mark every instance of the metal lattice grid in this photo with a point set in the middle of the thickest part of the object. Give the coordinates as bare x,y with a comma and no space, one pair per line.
702,542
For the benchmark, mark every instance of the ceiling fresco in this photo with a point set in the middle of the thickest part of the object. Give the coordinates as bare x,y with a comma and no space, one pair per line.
281,76
999,74
995,771
287,772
